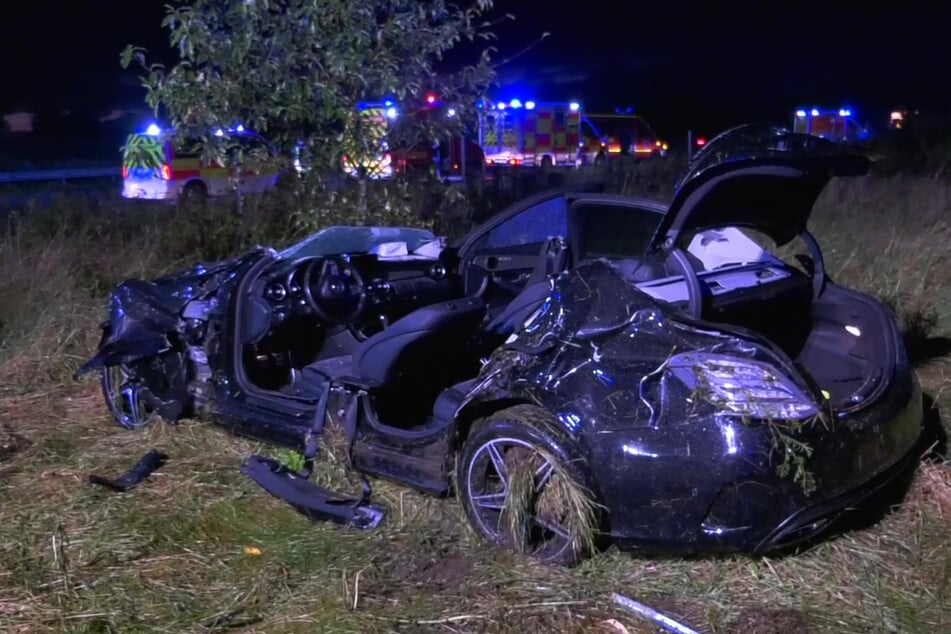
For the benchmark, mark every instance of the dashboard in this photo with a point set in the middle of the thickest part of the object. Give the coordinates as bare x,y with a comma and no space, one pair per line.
392,287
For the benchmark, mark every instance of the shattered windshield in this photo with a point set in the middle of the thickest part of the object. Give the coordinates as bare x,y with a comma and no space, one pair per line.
334,240
757,141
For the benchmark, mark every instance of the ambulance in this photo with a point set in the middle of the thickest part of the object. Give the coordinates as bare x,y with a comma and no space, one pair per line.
372,155
158,164
836,125
545,134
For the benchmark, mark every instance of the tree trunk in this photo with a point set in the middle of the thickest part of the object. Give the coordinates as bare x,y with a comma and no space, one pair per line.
362,194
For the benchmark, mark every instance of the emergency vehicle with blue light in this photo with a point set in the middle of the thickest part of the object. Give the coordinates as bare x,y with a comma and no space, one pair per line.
159,164
378,161
530,133
450,156
836,125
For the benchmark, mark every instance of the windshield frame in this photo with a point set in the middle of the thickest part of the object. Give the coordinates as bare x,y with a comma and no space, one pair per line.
355,240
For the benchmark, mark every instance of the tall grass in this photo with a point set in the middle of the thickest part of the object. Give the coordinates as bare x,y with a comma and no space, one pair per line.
198,548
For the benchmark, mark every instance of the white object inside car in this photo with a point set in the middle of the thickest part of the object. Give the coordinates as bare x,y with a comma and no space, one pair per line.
720,247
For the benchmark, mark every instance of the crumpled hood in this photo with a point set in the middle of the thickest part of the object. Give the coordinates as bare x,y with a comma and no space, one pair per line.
143,312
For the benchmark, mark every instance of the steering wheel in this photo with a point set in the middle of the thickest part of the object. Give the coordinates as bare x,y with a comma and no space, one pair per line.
334,289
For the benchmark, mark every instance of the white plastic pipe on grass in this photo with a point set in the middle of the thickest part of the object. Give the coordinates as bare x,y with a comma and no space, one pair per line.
661,619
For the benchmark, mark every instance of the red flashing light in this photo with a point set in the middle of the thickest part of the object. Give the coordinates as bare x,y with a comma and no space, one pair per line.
431,98
701,141
166,172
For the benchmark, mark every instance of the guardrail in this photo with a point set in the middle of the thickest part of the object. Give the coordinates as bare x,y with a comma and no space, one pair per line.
59,174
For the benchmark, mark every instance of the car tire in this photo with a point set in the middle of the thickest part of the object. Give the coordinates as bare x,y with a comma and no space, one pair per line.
112,379
528,435
194,193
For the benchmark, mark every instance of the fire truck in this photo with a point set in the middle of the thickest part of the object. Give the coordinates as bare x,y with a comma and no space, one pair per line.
451,156
835,125
530,133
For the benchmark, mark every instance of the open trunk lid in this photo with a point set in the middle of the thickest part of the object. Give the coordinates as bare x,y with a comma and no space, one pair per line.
759,177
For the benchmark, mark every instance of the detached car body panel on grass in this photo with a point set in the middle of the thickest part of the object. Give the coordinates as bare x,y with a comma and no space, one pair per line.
708,394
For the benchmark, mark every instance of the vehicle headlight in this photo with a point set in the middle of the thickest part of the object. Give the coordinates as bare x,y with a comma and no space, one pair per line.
742,387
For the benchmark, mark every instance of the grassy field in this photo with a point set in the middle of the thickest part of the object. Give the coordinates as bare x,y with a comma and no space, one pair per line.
199,548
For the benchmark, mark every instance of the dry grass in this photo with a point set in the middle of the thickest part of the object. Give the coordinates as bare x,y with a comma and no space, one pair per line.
199,548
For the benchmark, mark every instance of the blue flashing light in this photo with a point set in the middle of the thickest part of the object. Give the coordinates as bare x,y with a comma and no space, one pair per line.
845,112
815,112
515,103
153,130
219,132
630,110
501,105
573,106
452,112
388,103
529,105
239,128
480,105
391,113
800,113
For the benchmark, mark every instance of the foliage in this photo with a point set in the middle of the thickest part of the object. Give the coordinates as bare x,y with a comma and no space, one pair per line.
295,70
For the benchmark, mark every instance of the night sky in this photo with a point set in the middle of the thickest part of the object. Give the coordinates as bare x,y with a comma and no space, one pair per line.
681,64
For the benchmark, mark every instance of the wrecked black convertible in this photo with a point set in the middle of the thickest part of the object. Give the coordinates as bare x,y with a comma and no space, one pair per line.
665,373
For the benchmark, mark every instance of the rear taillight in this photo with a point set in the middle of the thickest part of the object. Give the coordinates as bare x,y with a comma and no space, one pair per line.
125,172
166,172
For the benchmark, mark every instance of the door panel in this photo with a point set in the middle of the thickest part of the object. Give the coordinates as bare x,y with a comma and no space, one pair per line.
497,265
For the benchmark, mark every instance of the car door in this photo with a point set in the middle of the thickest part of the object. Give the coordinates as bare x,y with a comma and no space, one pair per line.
499,258
616,228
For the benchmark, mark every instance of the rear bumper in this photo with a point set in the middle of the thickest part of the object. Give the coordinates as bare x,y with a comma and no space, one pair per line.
810,522
714,487
150,189
887,435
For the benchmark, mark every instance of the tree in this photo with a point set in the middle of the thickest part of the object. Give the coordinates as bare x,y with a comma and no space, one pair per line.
294,70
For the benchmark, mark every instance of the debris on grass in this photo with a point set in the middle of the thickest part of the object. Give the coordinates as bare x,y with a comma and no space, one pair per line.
660,619
11,442
136,475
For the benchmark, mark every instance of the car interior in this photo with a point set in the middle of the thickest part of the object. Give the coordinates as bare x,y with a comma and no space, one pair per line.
399,324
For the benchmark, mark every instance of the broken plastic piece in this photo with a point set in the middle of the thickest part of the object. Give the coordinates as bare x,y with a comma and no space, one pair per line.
142,469
661,619
311,499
